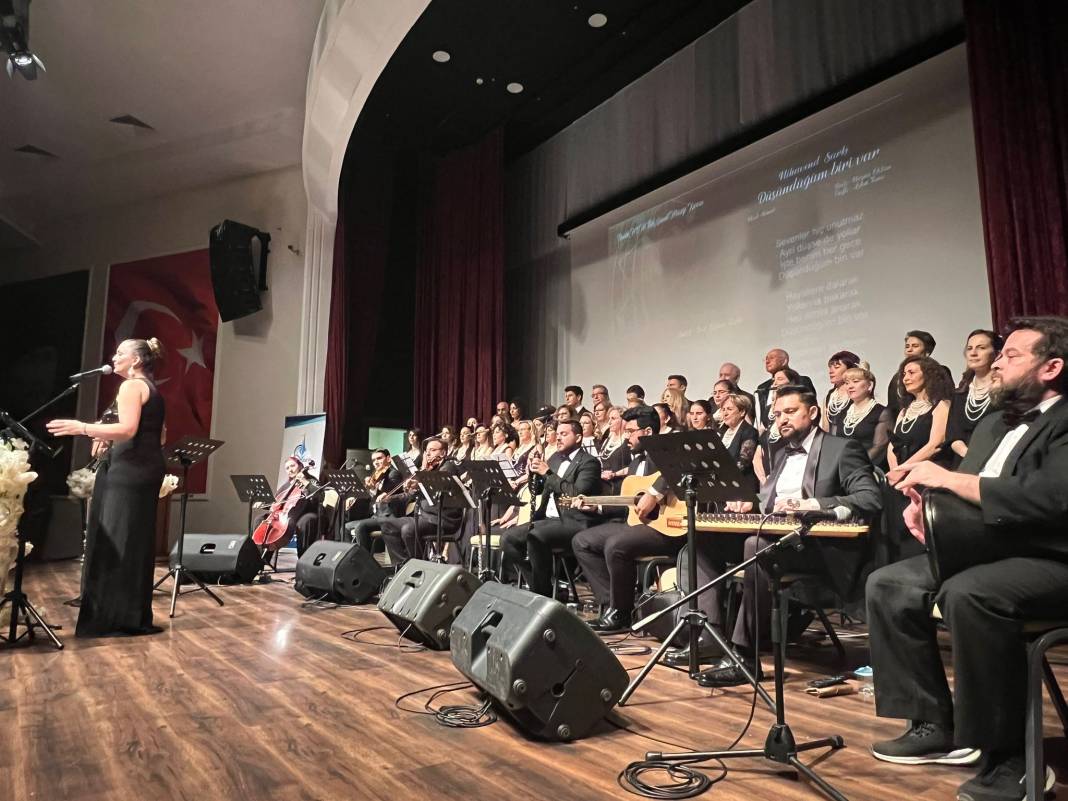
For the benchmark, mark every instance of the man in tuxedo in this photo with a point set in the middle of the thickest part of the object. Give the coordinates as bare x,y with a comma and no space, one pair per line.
1016,475
813,471
608,552
569,472
635,396
573,399
388,479
599,394
404,535
776,359
678,382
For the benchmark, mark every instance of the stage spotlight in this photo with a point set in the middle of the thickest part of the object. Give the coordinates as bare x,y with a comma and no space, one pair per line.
15,39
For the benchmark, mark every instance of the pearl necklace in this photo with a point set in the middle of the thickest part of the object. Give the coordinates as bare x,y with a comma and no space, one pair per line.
836,403
855,415
915,410
977,402
773,433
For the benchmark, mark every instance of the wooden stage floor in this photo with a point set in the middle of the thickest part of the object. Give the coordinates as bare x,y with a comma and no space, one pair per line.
265,699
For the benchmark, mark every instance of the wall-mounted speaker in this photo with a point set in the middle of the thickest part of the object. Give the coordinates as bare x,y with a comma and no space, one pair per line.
233,277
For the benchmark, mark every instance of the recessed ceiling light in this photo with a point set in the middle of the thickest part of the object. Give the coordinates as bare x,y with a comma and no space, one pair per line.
479,81
597,20
441,56
514,88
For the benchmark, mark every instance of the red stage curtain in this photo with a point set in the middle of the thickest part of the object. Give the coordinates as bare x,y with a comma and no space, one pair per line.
1018,67
336,386
459,322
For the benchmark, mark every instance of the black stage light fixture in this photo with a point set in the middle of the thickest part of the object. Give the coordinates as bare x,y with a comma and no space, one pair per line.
15,39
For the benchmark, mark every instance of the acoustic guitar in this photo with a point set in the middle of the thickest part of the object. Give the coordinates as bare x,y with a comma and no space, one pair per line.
633,488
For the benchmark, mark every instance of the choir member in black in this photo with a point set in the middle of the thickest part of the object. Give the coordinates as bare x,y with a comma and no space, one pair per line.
917,343
573,400
678,405
589,433
515,411
720,390
865,420
483,444
609,552
775,360
121,536
614,453
525,432
599,394
406,536
679,384
1015,474
739,436
504,439
635,396
770,440
448,436
699,416
918,435
669,423
502,410
466,444
600,419
971,401
568,472
414,439
837,401
384,479
815,471
729,371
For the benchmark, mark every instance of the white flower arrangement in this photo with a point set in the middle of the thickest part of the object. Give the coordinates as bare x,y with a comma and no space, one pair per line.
81,482
169,485
15,476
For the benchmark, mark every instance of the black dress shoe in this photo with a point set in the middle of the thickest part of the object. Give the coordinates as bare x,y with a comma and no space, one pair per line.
613,621
680,657
726,674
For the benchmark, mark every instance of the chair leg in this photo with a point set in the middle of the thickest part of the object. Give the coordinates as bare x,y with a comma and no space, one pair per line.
1055,694
572,589
1033,744
733,608
831,633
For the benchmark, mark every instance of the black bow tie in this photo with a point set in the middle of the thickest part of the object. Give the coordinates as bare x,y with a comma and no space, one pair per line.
1013,420
793,450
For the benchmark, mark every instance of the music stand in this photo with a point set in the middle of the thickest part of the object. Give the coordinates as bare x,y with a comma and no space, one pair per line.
442,491
252,490
347,484
185,453
697,466
489,485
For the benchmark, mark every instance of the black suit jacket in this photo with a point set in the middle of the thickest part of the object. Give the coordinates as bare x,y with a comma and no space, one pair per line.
450,518
1029,500
762,410
394,507
582,477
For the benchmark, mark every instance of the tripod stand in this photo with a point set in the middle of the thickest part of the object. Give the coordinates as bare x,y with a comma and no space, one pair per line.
187,452
489,484
780,745
442,491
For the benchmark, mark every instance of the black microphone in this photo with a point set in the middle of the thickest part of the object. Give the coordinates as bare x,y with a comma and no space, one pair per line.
839,514
105,369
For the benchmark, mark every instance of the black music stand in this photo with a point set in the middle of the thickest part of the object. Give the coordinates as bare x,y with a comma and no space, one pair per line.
347,484
489,485
185,453
442,491
698,468
252,490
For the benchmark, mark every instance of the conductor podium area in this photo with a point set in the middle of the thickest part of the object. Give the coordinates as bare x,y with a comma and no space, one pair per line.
266,697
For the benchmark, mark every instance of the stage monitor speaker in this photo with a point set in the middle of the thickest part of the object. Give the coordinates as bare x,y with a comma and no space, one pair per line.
219,557
424,598
233,276
548,670
341,572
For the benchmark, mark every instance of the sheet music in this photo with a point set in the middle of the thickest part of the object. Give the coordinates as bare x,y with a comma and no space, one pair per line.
511,472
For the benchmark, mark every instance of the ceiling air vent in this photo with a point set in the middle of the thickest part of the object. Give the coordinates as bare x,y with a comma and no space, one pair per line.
33,150
132,121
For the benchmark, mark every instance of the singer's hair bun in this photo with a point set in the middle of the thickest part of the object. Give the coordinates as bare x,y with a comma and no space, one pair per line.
155,347
149,351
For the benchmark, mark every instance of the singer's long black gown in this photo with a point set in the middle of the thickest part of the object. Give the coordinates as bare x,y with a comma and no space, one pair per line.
121,539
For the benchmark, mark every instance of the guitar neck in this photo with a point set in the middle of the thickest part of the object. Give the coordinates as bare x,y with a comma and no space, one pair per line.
610,500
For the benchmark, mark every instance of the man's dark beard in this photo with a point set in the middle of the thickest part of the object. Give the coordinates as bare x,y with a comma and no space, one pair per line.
1016,400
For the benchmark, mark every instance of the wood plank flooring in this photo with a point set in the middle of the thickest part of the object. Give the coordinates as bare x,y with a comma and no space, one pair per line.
265,699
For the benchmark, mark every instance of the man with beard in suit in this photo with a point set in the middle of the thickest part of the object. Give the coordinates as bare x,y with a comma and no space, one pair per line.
813,471
569,472
1016,477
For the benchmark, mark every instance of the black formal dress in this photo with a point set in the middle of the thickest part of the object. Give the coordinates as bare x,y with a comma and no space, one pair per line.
835,419
907,439
762,410
964,416
985,606
609,552
873,432
615,459
743,447
529,547
121,537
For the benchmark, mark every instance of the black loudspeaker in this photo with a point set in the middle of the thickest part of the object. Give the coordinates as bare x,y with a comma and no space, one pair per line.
543,665
424,598
219,557
341,572
233,278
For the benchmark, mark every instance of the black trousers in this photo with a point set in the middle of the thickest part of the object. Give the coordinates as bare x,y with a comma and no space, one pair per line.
714,553
984,608
404,537
530,548
608,554
360,531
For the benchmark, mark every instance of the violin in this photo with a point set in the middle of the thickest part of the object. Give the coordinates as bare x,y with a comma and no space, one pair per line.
271,532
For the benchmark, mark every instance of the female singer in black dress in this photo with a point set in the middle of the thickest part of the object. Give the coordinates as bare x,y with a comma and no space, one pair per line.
837,401
740,436
865,420
971,401
121,536
614,455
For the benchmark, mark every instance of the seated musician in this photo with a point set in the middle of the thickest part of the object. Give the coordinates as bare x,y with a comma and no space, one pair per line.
384,480
1016,476
406,536
570,471
301,514
608,552
813,471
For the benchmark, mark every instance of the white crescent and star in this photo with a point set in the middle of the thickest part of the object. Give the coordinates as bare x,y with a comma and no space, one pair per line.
194,354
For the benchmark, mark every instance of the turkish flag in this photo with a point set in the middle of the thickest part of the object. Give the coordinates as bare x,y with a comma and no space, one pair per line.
169,298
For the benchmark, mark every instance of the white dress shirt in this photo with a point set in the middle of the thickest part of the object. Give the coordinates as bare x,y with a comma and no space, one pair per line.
996,463
793,472
565,463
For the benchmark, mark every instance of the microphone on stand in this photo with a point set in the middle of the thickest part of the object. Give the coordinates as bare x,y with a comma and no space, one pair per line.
839,514
105,369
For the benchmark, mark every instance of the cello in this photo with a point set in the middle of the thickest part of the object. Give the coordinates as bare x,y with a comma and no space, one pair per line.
271,533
